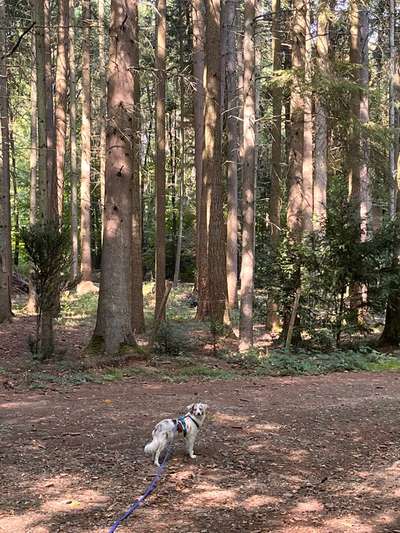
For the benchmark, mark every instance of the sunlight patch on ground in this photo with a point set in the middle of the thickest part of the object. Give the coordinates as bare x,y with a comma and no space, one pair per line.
209,495
259,500
74,500
23,523
255,428
348,522
18,405
309,505
229,419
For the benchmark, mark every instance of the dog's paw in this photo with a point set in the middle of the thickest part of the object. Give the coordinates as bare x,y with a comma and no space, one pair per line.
156,463
193,456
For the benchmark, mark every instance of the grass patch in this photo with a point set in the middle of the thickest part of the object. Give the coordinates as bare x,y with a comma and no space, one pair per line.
389,364
204,372
76,308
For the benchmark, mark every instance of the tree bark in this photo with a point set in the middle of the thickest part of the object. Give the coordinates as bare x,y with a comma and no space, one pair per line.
198,74
86,256
138,325
46,176
16,203
103,106
232,152
295,178
50,123
212,166
34,141
31,305
41,103
5,208
307,191
394,113
354,155
365,196
61,99
272,322
249,168
321,121
160,151
73,152
182,149
391,331
114,316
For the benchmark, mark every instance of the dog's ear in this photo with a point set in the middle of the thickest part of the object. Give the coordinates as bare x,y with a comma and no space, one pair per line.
205,405
190,407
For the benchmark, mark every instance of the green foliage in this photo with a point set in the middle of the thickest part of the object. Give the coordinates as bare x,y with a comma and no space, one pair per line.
172,340
303,362
48,248
328,262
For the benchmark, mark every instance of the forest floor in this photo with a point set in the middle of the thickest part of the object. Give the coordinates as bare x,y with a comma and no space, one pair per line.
303,454
289,455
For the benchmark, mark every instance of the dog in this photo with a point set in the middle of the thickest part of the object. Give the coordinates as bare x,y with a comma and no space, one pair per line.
165,431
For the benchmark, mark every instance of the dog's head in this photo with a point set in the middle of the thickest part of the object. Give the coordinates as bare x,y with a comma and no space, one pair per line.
198,410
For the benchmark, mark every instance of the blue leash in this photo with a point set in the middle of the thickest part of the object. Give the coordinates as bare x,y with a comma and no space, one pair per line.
150,489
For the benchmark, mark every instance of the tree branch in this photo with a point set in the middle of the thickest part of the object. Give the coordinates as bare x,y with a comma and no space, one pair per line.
16,45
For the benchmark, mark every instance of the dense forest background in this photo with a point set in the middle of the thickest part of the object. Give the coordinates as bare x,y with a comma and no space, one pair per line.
249,148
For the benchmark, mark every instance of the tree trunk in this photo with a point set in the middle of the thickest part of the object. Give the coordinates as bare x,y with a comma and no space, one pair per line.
391,331
5,208
182,150
160,151
16,203
73,152
61,99
365,196
34,142
321,120
198,74
272,322
295,177
212,166
50,123
41,103
31,305
232,152
393,112
114,316
307,191
103,106
249,168
46,147
354,155
86,256
138,324
296,186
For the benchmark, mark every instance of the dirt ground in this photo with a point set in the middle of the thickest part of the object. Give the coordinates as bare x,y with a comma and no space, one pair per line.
294,455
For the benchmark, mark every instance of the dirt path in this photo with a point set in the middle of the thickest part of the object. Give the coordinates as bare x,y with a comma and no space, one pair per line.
316,454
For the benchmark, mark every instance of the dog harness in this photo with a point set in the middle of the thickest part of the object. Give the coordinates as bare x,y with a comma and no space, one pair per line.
181,426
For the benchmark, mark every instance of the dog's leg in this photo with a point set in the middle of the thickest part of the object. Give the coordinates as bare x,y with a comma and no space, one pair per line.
157,456
189,446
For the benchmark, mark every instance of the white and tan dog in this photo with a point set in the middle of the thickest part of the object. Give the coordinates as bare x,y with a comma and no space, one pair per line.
165,431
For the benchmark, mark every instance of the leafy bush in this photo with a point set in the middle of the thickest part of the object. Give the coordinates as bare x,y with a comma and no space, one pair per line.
48,248
172,340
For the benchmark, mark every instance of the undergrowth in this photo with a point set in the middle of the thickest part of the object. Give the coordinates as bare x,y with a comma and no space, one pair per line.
283,363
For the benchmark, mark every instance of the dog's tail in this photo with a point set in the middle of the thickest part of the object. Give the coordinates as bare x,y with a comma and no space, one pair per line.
152,446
